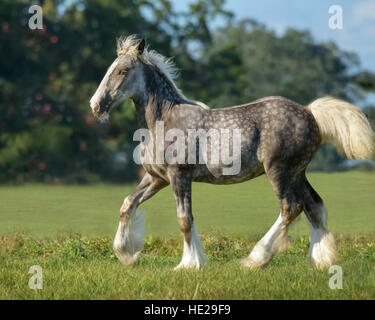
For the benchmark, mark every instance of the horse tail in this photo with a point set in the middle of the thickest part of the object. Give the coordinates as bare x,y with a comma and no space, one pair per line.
345,125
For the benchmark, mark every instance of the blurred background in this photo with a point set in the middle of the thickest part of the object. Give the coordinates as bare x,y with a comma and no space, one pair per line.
228,52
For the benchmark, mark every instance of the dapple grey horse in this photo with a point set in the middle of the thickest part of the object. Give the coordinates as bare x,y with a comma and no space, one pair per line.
278,138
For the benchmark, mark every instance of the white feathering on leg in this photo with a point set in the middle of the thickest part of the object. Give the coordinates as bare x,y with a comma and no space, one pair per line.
129,239
273,242
193,255
322,252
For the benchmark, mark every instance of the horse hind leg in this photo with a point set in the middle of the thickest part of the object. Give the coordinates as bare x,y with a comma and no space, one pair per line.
322,252
276,239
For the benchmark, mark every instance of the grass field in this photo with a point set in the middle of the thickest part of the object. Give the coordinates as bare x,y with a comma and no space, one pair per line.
68,231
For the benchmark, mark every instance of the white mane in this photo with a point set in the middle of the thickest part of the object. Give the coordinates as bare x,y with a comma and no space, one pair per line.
128,46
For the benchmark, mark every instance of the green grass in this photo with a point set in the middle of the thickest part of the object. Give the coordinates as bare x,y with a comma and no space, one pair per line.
245,209
40,224
84,268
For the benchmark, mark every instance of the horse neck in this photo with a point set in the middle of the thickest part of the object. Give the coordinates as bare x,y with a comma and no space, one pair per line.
159,97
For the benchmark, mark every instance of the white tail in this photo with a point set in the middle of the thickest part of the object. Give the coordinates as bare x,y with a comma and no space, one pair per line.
345,125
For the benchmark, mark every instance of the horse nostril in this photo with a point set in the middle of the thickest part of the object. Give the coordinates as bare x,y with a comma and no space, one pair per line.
95,107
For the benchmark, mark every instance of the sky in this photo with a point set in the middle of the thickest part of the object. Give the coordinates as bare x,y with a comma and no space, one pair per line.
358,16
358,33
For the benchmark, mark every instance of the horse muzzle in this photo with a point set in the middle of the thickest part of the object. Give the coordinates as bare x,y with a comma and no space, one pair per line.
100,110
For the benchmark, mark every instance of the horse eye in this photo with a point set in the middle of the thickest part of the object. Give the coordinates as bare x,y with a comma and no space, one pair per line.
123,72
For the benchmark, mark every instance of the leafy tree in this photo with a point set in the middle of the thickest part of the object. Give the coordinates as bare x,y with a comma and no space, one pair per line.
47,132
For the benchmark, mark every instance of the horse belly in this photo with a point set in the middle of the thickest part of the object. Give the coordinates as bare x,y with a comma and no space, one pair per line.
249,169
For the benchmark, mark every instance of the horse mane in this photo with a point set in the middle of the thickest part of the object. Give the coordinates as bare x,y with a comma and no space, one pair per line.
127,45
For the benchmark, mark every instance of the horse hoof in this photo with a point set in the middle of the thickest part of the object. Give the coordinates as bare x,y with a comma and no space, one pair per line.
251,264
322,265
128,260
187,266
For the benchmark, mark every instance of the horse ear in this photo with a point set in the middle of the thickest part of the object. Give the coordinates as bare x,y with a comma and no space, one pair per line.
141,45
118,43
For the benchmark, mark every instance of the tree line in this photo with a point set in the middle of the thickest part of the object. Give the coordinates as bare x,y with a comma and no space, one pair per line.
47,76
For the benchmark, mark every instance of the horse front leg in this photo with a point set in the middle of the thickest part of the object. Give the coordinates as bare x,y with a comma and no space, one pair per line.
130,234
193,255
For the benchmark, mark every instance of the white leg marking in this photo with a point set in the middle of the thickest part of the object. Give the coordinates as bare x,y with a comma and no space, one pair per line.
129,238
322,251
193,255
273,242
